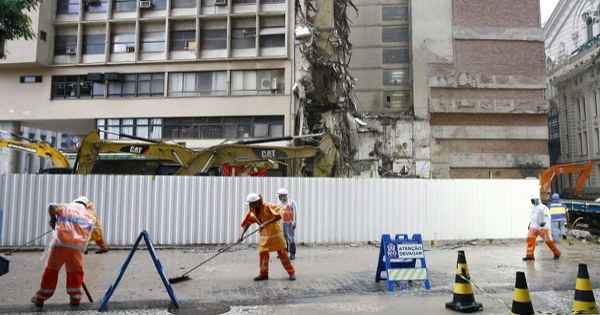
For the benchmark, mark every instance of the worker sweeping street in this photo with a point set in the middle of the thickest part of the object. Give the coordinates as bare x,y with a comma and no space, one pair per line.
72,224
538,226
97,232
288,217
558,216
271,236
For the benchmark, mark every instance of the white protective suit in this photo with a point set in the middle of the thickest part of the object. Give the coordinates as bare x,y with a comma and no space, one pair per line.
540,214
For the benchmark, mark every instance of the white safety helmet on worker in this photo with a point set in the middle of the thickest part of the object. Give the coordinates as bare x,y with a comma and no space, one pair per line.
83,201
282,191
252,197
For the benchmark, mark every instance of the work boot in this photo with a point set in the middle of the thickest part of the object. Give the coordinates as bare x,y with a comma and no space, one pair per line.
37,302
102,251
74,302
292,257
292,277
556,257
528,258
261,278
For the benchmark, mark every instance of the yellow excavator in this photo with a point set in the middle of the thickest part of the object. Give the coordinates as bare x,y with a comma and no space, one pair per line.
60,164
244,155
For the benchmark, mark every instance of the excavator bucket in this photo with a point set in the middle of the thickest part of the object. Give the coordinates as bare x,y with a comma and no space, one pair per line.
3,265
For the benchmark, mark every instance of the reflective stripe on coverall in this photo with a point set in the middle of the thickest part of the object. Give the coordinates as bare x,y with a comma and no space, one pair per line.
271,238
71,233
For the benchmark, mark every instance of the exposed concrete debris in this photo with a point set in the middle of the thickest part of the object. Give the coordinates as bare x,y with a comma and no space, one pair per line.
325,86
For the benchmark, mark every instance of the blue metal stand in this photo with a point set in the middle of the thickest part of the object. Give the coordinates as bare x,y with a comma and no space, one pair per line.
398,269
157,264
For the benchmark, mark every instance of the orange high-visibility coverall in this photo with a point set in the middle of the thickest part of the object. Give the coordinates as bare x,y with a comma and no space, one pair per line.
72,230
271,238
97,232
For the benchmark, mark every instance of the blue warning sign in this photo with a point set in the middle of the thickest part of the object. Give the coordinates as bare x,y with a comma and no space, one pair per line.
398,259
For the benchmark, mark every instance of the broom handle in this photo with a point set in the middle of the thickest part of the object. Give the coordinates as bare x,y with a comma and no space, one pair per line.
224,249
221,251
33,240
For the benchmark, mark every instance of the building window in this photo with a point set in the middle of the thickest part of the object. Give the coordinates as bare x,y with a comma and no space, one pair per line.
272,31
153,42
395,55
596,104
150,84
123,43
257,82
394,13
212,39
95,6
223,127
140,127
243,38
65,45
76,86
585,144
93,44
394,34
597,131
126,87
244,2
67,7
197,83
580,143
271,1
183,40
583,109
396,77
124,5
159,4
180,4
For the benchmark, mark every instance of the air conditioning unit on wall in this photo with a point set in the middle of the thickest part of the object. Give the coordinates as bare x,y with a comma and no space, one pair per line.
71,51
268,84
145,4
190,45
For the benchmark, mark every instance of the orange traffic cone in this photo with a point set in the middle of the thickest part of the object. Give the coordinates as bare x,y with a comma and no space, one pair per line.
463,299
584,302
521,301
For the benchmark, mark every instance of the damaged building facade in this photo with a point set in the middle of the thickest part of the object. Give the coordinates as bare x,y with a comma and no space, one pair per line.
573,88
436,88
445,88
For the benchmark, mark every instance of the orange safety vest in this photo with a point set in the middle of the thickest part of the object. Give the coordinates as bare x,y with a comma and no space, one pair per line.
74,224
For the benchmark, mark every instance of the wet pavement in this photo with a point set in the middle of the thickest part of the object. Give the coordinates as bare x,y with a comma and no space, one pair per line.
331,280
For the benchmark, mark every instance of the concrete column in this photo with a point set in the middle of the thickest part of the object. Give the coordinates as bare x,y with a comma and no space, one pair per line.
9,158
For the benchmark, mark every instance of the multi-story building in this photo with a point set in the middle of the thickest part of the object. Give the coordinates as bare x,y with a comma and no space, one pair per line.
573,88
452,88
447,88
178,69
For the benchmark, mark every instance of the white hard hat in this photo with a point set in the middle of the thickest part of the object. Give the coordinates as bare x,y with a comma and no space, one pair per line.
282,191
253,197
82,200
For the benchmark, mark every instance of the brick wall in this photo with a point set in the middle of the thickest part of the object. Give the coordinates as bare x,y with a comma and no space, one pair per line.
496,146
489,120
494,57
497,13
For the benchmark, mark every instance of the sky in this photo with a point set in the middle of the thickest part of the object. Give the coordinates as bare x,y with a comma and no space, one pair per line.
547,6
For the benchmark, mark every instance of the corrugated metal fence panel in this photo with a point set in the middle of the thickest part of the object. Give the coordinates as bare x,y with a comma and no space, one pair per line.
194,210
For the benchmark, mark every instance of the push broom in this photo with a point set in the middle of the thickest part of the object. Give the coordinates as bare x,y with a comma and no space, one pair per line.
186,277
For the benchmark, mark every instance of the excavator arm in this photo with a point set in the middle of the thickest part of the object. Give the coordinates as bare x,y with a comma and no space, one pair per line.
584,170
92,146
41,149
255,156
